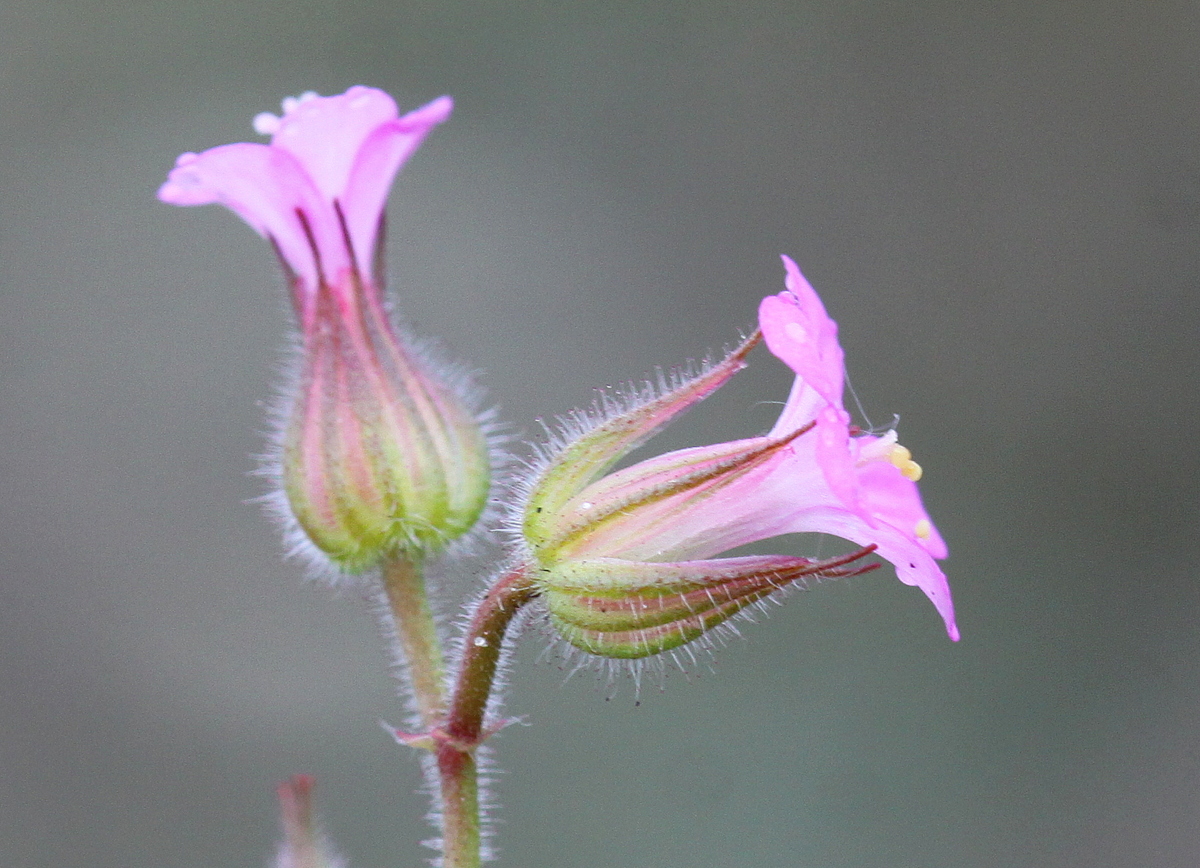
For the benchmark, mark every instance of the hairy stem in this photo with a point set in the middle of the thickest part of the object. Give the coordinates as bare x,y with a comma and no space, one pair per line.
463,729
481,655
458,730
459,781
404,585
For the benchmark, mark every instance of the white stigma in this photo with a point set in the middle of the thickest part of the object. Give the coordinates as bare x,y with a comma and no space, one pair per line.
266,124
291,103
481,642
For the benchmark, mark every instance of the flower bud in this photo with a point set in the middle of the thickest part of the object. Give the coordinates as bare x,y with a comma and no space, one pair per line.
379,457
304,845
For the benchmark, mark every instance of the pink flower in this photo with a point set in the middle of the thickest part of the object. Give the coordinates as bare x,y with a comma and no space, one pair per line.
654,527
317,191
857,486
382,454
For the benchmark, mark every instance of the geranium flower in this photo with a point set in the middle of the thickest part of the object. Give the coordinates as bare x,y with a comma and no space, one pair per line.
382,454
618,556
856,486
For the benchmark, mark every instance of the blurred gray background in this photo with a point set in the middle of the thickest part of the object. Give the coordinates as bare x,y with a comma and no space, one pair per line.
1000,204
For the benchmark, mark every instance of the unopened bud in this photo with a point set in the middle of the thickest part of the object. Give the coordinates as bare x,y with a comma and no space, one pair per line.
380,457
304,845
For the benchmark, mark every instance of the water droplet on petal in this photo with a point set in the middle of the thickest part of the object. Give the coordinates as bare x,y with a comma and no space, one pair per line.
796,332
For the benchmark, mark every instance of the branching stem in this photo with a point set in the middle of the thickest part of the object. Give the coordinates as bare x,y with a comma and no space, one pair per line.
404,584
454,732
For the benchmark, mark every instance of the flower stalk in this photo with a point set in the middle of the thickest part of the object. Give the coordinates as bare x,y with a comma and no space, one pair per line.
454,734
416,631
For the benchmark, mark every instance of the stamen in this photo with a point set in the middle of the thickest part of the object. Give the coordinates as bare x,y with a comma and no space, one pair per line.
887,448
902,459
878,449
923,529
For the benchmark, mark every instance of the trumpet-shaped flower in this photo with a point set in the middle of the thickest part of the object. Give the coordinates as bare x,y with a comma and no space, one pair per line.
381,455
626,561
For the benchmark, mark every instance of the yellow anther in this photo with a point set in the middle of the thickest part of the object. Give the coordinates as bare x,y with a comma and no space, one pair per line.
902,458
923,529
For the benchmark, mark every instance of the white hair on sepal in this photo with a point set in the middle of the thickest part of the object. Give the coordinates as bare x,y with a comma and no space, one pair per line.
607,402
498,434
318,567
460,379
684,659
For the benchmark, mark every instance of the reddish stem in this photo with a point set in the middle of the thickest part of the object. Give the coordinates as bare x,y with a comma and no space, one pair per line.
481,655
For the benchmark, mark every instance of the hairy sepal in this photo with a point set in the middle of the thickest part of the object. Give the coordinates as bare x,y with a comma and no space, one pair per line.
630,609
596,450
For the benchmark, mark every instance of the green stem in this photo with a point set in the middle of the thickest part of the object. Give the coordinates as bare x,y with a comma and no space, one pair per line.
415,629
456,731
463,731
459,780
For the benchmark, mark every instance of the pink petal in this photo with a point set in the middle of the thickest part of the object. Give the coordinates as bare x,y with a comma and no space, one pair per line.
265,187
380,157
914,565
645,522
832,454
893,498
800,333
325,134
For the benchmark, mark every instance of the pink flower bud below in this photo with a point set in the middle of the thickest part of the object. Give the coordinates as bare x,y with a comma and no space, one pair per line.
379,457
304,845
